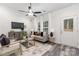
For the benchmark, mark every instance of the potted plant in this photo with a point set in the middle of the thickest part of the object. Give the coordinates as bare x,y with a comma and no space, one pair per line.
24,35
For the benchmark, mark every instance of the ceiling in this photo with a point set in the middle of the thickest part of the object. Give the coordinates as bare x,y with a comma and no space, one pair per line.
46,7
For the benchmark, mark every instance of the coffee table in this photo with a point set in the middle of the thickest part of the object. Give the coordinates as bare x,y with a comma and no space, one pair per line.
26,42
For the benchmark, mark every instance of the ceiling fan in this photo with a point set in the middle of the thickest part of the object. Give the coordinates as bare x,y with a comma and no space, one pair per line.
30,12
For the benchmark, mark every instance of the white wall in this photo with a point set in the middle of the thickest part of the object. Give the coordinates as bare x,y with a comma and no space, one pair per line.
55,17
7,16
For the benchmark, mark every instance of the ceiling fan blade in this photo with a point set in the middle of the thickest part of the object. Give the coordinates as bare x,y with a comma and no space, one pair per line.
26,14
22,11
37,12
34,15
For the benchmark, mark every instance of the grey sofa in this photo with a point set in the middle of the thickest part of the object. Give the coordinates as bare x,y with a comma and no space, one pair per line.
43,38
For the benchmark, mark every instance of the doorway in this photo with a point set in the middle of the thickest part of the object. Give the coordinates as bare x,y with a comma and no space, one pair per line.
69,28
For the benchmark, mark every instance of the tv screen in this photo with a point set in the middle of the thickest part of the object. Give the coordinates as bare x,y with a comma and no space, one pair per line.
17,25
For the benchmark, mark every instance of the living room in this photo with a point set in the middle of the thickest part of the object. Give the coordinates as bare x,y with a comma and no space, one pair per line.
39,29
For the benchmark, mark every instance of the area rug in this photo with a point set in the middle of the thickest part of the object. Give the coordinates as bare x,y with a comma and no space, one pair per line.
38,50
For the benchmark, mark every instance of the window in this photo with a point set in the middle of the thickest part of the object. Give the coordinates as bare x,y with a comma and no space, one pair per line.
45,26
38,26
68,24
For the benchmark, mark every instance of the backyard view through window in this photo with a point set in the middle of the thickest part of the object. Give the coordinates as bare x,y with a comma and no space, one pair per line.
68,24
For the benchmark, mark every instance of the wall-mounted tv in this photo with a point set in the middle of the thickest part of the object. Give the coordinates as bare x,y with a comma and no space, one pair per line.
17,25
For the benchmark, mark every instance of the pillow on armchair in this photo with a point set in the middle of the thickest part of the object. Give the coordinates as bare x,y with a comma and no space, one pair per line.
4,40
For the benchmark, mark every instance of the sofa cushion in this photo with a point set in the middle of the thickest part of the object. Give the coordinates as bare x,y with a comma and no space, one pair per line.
42,34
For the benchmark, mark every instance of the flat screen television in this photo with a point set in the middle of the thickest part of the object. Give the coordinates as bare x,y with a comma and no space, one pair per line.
17,25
